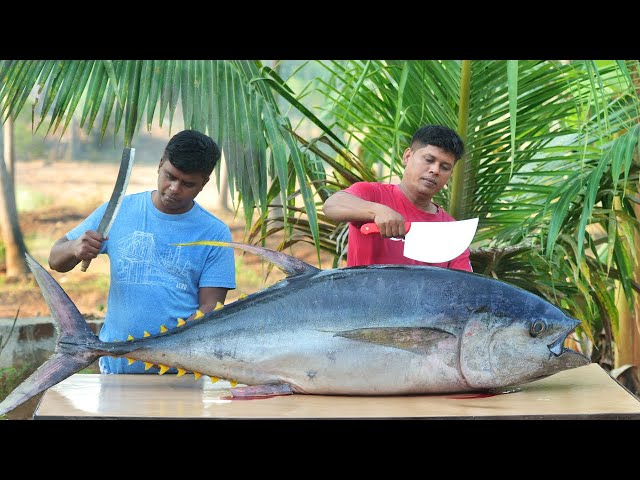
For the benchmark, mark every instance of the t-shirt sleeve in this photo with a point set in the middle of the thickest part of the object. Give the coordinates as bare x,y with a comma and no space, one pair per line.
89,223
366,191
363,190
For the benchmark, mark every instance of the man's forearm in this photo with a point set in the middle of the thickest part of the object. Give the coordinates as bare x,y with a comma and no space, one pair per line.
62,257
344,207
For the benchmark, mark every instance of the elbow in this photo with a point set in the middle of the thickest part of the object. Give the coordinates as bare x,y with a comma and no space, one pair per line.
328,210
52,263
54,266
57,265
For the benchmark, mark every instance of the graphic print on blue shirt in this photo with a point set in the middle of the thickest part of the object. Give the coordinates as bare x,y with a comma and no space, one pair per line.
152,282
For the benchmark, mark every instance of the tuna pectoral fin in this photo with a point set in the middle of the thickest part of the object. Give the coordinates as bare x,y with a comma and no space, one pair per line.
260,391
54,370
415,339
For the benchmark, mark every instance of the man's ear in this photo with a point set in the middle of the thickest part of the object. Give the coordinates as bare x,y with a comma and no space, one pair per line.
160,164
406,155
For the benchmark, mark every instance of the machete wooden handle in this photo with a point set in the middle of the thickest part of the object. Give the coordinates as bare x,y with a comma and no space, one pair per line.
368,228
85,265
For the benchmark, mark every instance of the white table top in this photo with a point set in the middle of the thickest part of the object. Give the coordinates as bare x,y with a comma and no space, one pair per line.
583,393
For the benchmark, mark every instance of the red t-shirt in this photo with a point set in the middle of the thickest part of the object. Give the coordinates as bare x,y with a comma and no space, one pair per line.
374,249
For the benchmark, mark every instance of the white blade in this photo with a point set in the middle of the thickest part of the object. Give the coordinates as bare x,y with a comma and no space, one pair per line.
437,242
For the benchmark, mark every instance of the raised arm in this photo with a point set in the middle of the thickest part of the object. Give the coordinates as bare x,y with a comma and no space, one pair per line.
344,207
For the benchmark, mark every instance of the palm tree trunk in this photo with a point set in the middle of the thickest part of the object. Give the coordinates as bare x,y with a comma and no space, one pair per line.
276,212
456,208
628,345
15,248
9,150
222,202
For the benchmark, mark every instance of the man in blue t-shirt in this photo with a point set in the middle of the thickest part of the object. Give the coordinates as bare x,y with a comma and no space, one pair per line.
154,283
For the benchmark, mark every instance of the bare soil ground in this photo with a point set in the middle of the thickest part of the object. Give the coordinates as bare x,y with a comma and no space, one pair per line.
52,198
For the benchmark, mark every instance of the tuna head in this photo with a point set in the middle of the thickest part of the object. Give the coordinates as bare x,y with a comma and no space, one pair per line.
499,350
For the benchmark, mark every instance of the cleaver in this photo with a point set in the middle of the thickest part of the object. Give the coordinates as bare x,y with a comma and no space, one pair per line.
433,242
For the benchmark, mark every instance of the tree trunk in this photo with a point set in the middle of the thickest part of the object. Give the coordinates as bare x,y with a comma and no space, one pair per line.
9,151
223,193
15,248
628,347
276,212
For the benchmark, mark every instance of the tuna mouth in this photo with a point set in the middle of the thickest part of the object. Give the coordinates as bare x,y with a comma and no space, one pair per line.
558,348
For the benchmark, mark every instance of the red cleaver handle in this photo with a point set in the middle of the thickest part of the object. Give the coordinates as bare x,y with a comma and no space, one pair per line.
368,228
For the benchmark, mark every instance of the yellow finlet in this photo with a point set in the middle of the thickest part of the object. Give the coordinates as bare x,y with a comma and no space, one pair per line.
181,372
233,383
163,369
129,338
130,360
181,322
147,334
214,379
199,314
218,306
197,375
242,296
147,365
163,329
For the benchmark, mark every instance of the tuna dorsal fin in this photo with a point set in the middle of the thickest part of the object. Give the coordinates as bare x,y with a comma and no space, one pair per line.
288,264
415,339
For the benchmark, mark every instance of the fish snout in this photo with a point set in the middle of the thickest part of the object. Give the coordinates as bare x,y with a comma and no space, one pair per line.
557,348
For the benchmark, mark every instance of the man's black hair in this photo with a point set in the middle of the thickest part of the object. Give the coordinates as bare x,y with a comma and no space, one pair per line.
192,152
441,137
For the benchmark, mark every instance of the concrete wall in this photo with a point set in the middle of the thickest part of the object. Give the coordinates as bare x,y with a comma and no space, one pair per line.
32,341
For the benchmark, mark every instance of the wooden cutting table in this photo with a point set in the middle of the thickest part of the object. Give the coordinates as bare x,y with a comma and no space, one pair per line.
583,393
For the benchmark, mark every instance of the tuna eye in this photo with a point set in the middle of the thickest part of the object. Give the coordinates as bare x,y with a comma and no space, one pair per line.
537,328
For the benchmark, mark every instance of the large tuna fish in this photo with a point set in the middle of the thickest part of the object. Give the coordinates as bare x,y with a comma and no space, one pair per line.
377,330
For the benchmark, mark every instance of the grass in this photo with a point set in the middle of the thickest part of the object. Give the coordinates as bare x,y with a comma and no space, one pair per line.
11,377
93,368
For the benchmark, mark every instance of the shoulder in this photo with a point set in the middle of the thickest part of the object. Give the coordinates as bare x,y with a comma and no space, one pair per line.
133,204
211,220
370,187
443,216
139,197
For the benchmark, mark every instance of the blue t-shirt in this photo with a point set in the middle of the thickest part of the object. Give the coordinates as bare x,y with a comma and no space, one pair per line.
152,282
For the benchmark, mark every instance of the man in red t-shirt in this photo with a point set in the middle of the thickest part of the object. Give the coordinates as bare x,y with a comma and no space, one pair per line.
428,162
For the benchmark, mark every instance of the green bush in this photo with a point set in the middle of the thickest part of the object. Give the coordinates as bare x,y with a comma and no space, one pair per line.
11,377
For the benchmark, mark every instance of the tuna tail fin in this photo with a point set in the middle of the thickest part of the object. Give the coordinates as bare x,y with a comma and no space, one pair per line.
290,265
75,347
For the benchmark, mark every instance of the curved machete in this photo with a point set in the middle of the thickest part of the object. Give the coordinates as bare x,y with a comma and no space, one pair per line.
120,187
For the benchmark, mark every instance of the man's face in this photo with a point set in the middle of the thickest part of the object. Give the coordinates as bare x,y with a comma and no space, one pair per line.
428,169
176,189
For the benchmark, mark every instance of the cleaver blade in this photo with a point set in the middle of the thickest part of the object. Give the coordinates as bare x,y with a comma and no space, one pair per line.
434,242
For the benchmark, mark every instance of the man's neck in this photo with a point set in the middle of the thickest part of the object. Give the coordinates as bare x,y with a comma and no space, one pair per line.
423,203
